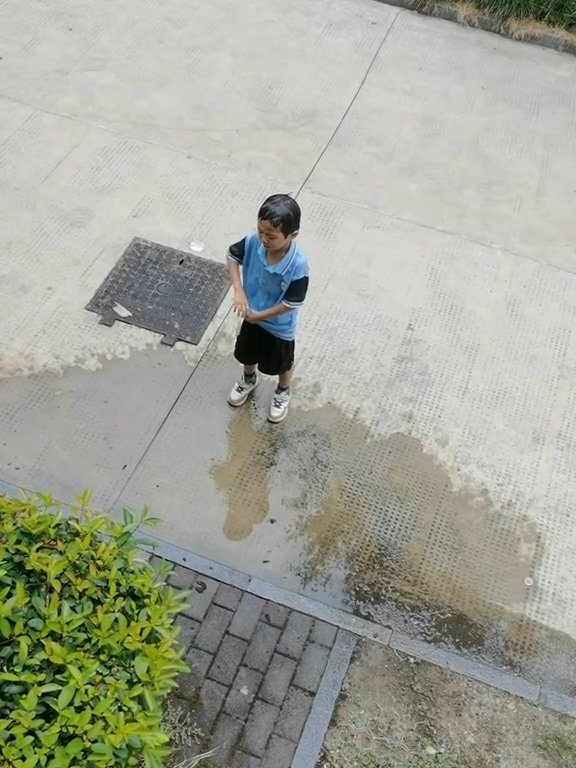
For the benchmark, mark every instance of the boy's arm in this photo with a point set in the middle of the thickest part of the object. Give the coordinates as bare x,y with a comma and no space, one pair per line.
240,299
293,299
235,259
266,314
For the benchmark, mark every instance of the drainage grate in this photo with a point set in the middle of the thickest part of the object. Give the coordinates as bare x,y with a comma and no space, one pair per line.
163,290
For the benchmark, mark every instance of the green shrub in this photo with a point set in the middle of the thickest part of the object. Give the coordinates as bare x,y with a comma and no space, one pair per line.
87,640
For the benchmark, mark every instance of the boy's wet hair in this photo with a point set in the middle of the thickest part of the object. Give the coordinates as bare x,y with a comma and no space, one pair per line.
283,212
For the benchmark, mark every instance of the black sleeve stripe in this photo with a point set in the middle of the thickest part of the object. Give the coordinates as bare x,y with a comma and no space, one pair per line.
296,292
237,250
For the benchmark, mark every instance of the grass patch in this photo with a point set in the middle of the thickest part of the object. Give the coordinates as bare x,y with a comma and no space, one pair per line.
440,761
560,13
446,759
518,18
560,746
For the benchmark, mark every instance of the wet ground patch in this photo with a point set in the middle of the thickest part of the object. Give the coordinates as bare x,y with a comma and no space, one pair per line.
378,521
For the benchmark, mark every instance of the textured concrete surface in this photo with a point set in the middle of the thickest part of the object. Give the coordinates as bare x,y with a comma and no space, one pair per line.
426,475
463,132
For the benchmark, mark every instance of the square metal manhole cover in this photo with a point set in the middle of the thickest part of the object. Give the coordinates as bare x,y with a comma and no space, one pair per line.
163,290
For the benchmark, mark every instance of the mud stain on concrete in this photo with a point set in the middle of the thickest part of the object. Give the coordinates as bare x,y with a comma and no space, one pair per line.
405,534
385,511
378,521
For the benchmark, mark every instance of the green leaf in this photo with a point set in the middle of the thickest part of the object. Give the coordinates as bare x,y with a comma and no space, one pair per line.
107,621
75,747
23,650
66,695
36,623
153,522
142,541
38,603
60,761
85,499
141,666
29,701
9,676
153,758
50,688
124,539
101,749
77,675
128,516
150,701
21,597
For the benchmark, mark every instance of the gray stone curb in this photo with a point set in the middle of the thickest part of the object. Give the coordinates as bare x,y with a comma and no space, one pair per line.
7,489
558,702
487,24
312,739
505,681
318,610
260,588
502,680
184,557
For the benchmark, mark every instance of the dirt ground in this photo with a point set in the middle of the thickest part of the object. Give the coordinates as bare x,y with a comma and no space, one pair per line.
398,712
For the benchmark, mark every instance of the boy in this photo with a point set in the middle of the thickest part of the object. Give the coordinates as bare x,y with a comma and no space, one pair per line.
272,288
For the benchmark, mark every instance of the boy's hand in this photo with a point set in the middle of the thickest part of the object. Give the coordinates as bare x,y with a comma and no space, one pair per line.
241,306
252,317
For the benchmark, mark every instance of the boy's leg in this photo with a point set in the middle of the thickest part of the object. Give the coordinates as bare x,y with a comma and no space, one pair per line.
250,375
281,397
284,380
245,352
244,387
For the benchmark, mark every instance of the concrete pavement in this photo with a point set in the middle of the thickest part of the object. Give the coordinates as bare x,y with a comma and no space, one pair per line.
426,477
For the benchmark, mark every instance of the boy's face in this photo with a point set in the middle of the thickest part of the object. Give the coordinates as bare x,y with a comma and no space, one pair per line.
273,239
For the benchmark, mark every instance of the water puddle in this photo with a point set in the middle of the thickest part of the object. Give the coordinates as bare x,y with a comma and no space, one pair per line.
376,521
245,475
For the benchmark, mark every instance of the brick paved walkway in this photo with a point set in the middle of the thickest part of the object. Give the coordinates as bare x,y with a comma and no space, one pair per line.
256,669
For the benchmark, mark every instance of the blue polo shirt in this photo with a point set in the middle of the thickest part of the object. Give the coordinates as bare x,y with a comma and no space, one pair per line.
267,285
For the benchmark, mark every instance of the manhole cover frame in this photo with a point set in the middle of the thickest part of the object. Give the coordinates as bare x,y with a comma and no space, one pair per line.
181,273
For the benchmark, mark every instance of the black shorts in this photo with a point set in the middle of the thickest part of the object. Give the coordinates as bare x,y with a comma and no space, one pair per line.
256,346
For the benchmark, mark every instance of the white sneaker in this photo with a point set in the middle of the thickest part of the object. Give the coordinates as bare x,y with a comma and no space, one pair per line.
240,392
279,406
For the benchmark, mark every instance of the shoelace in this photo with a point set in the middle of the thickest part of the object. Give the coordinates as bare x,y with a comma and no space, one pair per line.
278,402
